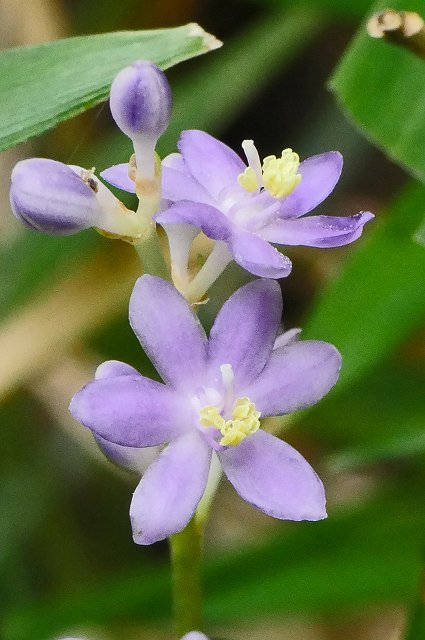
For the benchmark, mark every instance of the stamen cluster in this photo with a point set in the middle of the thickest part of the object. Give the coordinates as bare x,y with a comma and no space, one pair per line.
244,421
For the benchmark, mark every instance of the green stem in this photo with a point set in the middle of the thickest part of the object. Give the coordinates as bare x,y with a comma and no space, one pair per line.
148,190
150,254
186,551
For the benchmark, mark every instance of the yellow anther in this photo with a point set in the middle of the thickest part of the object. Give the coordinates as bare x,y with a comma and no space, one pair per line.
245,420
210,417
248,180
280,175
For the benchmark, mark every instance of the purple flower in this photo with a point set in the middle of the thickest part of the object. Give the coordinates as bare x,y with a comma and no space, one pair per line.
60,199
245,208
140,102
214,393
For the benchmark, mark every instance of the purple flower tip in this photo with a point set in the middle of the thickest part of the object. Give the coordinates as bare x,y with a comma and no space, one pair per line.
140,100
49,196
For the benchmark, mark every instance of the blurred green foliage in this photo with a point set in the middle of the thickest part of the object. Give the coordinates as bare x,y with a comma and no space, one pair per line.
66,557
45,84
382,87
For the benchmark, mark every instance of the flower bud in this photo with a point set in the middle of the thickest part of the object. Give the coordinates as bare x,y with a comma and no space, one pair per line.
60,199
140,102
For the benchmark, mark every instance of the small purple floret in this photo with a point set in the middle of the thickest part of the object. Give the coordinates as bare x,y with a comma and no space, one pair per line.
140,100
240,360
201,188
49,196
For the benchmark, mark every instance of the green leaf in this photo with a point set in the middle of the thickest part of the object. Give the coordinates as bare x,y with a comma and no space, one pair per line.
369,556
382,417
382,89
48,83
377,299
335,9
415,628
419,235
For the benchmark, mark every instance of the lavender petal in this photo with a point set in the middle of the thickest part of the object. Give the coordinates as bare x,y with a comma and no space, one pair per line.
213,164
131,411
319,176
140,100
136,459
117,175
296,376
275,478
257,256
318,231
168,494
245,329
177,186
115,369
169,331
50,197
208,219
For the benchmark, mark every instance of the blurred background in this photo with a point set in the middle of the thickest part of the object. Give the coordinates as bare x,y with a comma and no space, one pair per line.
67,561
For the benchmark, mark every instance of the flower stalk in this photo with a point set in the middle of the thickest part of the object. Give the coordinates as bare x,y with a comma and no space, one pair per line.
148,246
186,553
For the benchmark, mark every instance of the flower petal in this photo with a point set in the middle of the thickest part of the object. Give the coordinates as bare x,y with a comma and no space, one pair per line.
168,494
117,175
296,376
132,411
114,369
213,164
245,329
286,338
48,196
319,176
132,458
177,185
169,332
257,256
175,161
318,231
194,635
136,459
209,219
275,478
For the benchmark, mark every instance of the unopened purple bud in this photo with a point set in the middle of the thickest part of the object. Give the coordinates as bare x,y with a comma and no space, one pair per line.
60,199
140,100
49,196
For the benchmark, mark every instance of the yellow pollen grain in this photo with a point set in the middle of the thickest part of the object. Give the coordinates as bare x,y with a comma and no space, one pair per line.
244,422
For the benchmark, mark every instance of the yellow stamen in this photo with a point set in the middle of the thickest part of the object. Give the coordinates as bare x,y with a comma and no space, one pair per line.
245,420
248,180
278,175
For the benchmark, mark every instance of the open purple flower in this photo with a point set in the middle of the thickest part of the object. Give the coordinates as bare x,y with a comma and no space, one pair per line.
214,392
245,208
